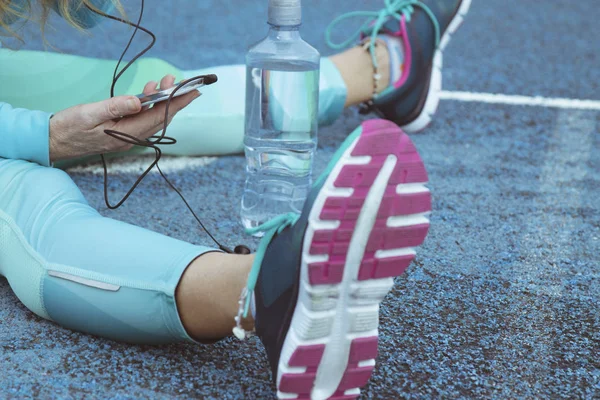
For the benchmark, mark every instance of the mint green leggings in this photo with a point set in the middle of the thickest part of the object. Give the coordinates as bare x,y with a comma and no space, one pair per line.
65,261
212,125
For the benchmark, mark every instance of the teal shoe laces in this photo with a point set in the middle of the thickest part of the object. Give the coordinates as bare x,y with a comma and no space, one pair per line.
393,9
274,227
270,229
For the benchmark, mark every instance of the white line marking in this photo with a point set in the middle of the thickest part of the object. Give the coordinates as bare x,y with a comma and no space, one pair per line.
569,149
536,101
168,164
565,161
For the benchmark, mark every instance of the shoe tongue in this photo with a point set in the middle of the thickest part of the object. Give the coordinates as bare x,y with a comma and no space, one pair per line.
391,27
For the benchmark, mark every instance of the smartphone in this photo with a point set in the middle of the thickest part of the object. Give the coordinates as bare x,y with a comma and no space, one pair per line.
163,95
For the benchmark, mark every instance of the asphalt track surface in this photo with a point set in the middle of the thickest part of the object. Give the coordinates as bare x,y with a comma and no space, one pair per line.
502,299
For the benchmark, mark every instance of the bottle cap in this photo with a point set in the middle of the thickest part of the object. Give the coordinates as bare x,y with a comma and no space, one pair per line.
285,12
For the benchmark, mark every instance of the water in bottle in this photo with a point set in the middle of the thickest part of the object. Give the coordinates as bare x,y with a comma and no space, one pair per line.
282,89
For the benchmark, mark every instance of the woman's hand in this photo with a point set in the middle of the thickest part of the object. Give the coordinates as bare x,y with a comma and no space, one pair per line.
79,131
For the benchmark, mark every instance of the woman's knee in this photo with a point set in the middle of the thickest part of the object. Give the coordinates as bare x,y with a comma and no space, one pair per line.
32,195
21,176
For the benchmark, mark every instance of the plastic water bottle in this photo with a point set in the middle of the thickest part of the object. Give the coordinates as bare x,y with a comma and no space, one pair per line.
282,92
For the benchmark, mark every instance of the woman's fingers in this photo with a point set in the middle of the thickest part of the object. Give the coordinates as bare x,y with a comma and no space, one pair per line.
152,121
111,109
150,88
176,105
167,82
179,103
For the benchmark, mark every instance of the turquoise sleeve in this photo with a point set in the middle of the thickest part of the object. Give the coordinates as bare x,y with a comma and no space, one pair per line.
24,134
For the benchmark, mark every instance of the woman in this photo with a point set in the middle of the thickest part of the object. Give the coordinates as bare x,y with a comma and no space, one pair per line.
312,290
346,80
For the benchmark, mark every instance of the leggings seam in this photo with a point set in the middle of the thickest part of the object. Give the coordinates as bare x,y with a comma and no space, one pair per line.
167,320
96,276
174,323
46,266
167,288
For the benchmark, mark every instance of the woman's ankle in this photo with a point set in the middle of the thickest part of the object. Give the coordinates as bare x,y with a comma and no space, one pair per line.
357,70
208,293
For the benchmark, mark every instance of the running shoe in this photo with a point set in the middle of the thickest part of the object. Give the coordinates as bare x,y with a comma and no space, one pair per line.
318,279
425,28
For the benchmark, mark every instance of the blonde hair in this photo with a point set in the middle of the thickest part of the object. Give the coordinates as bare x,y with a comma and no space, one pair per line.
23,11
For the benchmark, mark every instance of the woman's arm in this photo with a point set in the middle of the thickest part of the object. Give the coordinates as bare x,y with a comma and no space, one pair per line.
78,131
24,134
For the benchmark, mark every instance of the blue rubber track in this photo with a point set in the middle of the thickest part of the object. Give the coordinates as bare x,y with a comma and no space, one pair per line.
502,299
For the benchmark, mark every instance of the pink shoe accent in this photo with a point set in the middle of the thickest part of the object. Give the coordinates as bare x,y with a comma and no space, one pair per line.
323,236
363,349
357,175
373,268
307,356
297,383
355,377
340,208
407,54
385,238
379,139
404,204
327,273
409,170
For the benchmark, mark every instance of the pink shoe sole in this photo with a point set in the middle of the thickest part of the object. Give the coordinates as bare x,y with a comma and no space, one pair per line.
364,225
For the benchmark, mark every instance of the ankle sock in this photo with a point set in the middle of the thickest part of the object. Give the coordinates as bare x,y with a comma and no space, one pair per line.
395,48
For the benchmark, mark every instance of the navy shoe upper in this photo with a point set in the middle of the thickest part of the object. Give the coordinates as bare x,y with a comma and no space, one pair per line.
278,284
403,105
